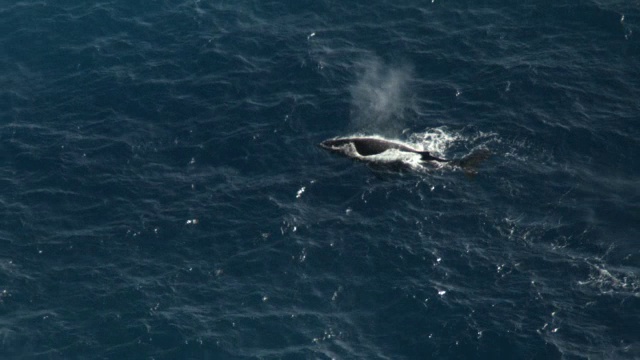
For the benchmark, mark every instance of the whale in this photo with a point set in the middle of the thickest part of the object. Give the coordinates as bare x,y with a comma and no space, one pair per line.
368,149
367,146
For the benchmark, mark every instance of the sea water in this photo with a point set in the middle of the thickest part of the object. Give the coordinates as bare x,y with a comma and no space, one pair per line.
163,195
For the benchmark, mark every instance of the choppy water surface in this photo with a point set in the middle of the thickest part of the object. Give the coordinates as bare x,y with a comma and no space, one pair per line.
163,195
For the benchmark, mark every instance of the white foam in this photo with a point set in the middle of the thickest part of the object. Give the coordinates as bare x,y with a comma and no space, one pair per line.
436,141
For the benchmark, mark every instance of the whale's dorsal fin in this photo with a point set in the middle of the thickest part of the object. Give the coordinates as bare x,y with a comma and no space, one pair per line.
426,156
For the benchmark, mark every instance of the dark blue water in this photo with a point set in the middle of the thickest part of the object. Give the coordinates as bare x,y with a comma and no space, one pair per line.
162,195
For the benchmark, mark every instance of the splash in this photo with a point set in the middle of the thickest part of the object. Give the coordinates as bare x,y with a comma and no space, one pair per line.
436,141
380,97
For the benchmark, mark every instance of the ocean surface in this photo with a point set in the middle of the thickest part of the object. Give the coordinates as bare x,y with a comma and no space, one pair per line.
162,194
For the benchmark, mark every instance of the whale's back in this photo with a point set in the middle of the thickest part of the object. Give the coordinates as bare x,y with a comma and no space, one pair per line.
373,146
